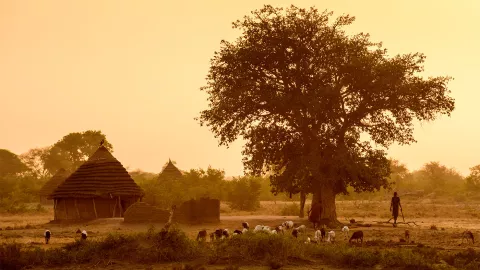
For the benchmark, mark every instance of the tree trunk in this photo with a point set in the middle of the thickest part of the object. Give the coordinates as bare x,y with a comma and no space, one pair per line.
303,198
326,197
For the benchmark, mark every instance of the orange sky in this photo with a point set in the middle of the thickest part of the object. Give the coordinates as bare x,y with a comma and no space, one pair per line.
133,69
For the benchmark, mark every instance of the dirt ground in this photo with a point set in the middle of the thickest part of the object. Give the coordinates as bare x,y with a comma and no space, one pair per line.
451,220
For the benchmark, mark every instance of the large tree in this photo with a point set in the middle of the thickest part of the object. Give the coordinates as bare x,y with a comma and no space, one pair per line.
317,106
73,149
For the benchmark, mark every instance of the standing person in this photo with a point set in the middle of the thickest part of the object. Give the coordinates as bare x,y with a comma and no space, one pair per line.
47,234
394,205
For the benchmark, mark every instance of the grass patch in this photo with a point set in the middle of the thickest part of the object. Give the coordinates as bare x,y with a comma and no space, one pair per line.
274,251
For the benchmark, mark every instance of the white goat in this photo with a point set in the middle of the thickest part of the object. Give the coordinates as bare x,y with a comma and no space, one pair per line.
345,231
302,229
331,236
288,224
258,228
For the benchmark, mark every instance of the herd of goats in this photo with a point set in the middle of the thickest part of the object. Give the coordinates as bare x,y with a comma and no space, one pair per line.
319,236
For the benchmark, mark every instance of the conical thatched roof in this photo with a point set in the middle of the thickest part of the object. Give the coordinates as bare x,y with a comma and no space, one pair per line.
170,171
102,175
53,183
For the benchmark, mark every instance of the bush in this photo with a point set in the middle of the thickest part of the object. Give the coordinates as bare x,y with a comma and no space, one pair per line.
290,209
244,194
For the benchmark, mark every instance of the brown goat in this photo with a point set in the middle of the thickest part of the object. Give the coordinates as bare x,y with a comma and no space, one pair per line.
468,235
358,235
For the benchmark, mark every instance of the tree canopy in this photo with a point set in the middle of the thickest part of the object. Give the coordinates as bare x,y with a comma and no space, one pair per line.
316,106
73,149
10,163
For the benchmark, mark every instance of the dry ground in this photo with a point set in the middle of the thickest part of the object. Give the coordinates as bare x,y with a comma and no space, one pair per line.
450,218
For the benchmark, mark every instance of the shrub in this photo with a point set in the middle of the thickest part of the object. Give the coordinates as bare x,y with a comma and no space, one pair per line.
290,209
244,194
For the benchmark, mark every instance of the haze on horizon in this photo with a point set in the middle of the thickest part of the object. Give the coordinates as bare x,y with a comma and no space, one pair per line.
133,70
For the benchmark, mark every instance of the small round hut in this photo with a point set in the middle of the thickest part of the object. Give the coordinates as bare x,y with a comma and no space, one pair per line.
170,171
51,185
100,188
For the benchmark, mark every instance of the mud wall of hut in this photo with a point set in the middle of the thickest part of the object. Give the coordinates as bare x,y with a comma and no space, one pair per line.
198,211
90,208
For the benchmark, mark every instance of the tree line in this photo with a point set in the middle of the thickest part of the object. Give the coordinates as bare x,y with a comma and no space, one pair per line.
22,176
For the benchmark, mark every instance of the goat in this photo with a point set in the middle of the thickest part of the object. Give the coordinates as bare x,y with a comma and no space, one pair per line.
302,228
245,230
84,235
258,228
202,235
218,233
245,225
345,231
331,236
212,236
279,229
407,235
225,234
468,235
237,232
288,224
295,233
319,235
47,234
356,236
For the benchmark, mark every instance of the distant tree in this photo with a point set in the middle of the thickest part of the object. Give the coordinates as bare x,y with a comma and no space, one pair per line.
301,92
73,149
439,178
400,177
34,160
472,181
244,193
10,164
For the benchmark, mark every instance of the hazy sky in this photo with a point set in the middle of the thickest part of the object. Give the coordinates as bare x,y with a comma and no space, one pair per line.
133,70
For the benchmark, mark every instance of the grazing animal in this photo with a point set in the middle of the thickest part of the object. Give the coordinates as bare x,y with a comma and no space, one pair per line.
245,230
245,225
225,233
468,235
302,228
358,235
288,224
47,235
314,214
279,229
345,231
331,236
318,235
407,235
202,235
323,233
212,236
352,221
237,232
295,233
308,240
266,228
84,235
218,233
258,228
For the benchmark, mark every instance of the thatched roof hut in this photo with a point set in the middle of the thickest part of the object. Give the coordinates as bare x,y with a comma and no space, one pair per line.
52,184
96,189
170,171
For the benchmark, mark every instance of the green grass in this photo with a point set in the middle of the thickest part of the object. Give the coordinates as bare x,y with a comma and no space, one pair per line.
248,249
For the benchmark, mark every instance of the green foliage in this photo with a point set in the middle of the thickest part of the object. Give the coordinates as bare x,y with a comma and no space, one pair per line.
73,149
244,193
249,248
10,164
194,184
472,181
290,209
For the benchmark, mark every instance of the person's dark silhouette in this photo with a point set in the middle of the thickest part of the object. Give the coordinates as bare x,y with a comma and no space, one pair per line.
394,205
